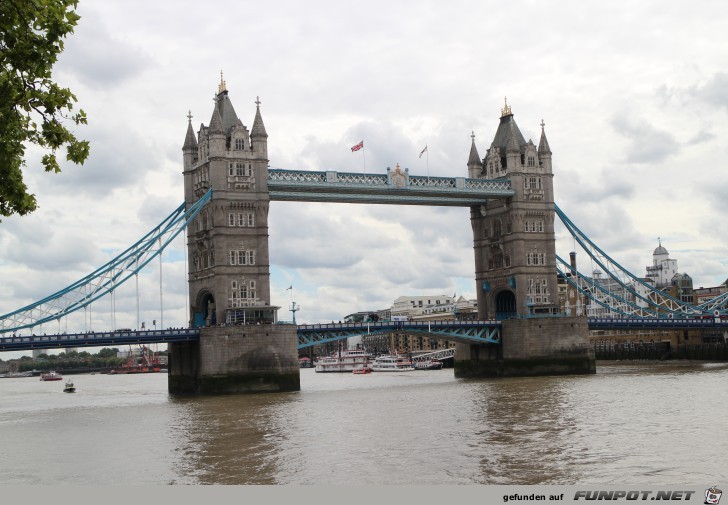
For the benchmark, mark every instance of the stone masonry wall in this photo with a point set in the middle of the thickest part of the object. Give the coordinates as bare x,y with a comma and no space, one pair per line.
248,348
546,337
236,359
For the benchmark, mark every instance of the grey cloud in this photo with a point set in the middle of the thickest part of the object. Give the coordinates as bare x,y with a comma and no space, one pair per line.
701,137
718,197
647,144
713,92
118,159
105,63
574,187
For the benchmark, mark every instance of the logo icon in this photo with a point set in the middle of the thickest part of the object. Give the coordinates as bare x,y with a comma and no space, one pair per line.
712,495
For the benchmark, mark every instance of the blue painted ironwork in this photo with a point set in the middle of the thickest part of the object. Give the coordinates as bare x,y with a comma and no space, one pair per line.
624,297
719,303
107,278
483,332
92,339
471,332
600,295
391,188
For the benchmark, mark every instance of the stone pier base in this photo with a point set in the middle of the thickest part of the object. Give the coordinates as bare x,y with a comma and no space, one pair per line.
537,346
236,359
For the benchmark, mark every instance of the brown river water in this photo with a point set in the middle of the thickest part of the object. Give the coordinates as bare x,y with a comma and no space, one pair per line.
644,424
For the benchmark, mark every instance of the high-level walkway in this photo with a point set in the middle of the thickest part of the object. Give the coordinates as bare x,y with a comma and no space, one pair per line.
395,187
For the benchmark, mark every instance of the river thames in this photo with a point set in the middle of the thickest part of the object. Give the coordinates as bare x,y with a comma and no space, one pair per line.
648,424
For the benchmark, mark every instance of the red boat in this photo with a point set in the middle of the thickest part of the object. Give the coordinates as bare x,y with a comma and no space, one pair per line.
51,376
362,369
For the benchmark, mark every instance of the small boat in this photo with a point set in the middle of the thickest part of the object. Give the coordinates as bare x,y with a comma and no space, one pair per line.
362,369
428,365
69,388
51,376
395,363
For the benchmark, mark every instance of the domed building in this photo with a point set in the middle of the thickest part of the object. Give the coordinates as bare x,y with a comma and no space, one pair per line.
663,269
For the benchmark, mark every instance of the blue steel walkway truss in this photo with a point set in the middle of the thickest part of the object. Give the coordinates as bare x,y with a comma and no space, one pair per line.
394,187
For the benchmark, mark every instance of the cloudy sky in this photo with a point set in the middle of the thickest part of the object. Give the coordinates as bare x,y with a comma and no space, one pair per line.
634,96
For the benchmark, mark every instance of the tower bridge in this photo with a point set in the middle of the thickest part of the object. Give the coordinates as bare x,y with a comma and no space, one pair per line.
234,342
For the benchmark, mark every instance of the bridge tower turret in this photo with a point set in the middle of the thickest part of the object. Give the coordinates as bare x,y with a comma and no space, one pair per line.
475,165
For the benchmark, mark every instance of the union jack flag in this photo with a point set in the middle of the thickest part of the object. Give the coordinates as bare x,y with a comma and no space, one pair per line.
358,146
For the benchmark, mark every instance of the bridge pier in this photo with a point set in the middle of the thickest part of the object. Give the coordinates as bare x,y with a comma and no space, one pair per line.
531,347
236,359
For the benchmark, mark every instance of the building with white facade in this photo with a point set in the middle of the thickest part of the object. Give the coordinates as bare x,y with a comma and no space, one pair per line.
663,268
417,306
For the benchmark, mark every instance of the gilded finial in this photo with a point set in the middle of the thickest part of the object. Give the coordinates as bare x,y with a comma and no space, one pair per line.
189,116
506,110
542,124
257,101
221,87
472,135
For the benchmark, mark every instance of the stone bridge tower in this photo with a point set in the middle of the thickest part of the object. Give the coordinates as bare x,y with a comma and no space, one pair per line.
241,348
514,241
228,240
515,266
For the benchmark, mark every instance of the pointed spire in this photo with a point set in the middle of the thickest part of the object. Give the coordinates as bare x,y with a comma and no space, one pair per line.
216,120
190,138
474,158
258,129
222,86
543,144
506,110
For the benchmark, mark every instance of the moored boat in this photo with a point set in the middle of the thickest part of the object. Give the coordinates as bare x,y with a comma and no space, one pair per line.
394,363
362,369
51,376
343,361
428,365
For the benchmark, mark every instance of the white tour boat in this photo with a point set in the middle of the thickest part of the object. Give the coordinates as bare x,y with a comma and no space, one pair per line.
392,364
343,361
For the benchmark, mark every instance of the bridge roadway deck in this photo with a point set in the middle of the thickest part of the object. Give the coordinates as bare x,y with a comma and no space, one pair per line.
313,334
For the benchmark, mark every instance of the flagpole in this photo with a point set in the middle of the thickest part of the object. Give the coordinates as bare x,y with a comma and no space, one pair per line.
364,160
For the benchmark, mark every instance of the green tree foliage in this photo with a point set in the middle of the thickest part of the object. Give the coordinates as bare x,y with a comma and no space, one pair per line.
104,359
108,353
33,108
